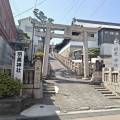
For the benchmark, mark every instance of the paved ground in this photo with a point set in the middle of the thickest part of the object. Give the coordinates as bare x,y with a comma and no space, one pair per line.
76,94
93,115
111,117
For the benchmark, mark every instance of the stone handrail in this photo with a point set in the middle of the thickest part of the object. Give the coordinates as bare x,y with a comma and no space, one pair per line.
28,74
111,76
78,68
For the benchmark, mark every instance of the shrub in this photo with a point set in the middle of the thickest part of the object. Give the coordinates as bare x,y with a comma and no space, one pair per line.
94,50
26,36
8,86
39,54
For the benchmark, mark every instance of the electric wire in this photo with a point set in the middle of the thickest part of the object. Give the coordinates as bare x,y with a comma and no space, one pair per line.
15,8
76,10
64,10
68,11
97,9
30,8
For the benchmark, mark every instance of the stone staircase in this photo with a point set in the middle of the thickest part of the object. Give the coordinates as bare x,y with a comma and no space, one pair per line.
48,88
105,91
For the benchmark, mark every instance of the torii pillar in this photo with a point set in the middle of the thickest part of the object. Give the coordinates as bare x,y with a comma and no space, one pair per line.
46,52
85,53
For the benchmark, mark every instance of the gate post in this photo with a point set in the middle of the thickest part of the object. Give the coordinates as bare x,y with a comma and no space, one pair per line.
38,89
46,52
85,52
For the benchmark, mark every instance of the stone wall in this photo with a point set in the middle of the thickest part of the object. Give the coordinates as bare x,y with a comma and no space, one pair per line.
15,105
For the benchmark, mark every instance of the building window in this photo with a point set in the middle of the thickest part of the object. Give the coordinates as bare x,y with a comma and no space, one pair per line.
116,33
91,35
112,33
106,32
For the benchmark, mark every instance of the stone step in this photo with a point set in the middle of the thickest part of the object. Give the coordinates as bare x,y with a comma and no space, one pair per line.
48,95
106,92
48,88
52,77
109,95
49,92
93,85
48,84
102,90
113,97
99,87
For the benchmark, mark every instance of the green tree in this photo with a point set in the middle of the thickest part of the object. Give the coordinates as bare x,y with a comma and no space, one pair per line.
44,19
94,50
26,35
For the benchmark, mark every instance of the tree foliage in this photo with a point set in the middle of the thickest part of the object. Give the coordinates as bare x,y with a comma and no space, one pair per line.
26,35
40,55
8,85
94,50
42,17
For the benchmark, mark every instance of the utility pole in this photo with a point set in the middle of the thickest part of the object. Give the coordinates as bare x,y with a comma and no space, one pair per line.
32,42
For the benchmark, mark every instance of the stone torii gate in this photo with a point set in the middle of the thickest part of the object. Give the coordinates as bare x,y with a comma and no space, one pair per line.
84,37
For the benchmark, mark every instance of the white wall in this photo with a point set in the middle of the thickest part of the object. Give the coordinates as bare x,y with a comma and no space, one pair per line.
76,43
106,49
62,50
93,44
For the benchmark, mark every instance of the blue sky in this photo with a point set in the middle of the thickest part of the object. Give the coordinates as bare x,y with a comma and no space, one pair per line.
62,11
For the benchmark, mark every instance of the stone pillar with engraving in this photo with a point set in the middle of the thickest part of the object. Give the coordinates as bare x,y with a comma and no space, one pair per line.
38,89
116,54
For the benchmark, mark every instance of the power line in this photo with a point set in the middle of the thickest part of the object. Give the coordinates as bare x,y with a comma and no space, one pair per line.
65,10
68,11
97,9
35,3
35,7
15,7
29,9
76,10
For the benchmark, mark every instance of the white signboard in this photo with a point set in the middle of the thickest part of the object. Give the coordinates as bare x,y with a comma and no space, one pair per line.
115,55
19,63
